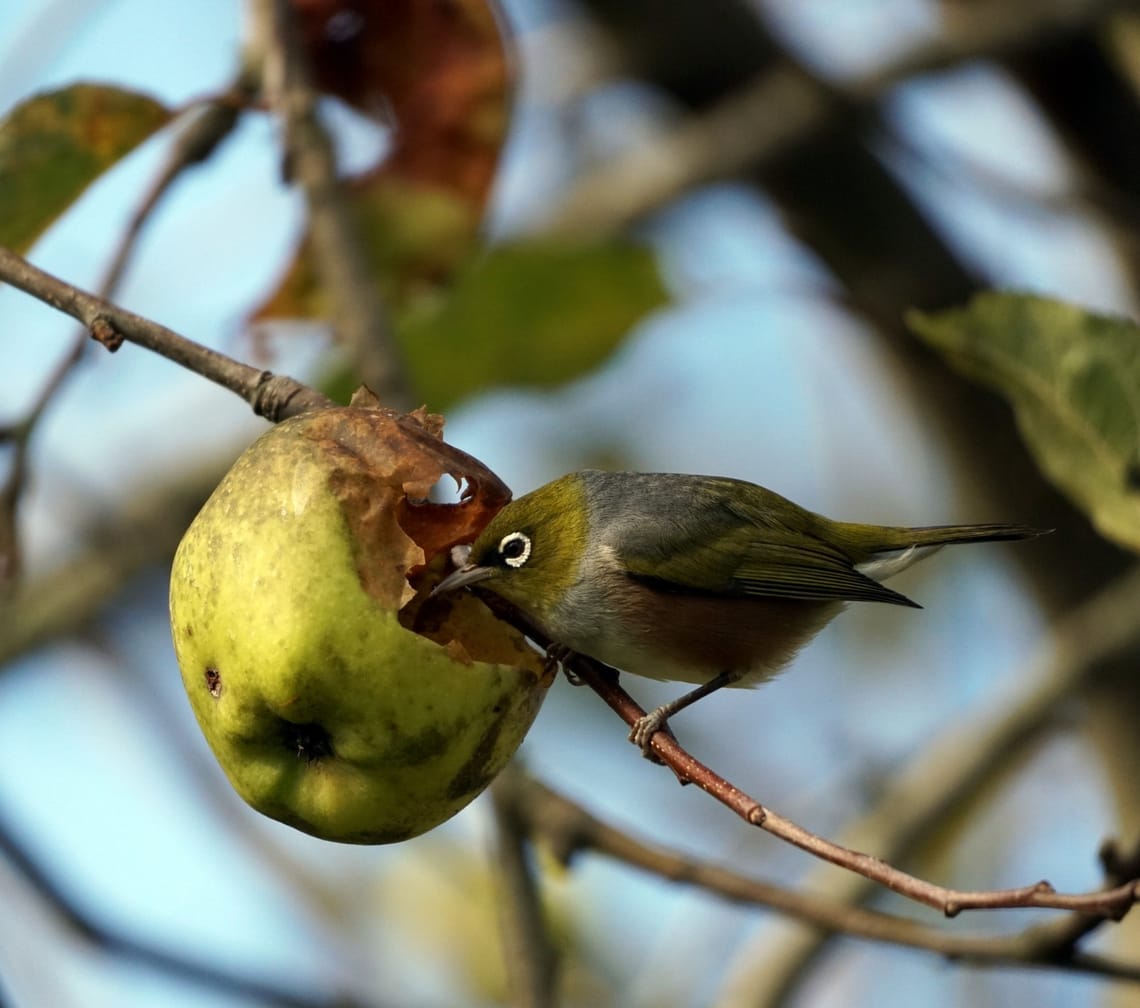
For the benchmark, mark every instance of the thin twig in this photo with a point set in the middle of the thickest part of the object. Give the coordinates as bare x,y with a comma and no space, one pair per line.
206,127
527,951
19,435
357,315
154,957
603,680
272,396
569,829
207,124
1113,902
946,772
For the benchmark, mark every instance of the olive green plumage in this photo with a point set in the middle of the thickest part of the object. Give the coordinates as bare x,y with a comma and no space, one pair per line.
695,578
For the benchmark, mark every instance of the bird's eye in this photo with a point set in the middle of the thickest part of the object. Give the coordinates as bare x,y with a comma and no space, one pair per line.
514,548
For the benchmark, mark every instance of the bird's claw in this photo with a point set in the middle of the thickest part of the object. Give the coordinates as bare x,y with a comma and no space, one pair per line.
644,728
559,655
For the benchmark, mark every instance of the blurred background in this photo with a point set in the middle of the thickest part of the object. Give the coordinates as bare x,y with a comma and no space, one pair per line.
732,204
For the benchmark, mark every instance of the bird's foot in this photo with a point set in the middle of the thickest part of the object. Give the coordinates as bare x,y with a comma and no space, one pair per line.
644,728
559,655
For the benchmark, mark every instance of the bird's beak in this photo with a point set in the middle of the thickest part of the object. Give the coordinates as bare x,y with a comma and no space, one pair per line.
466,575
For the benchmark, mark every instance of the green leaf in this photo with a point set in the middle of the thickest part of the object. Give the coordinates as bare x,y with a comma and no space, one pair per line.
53,146
530,314
1073,379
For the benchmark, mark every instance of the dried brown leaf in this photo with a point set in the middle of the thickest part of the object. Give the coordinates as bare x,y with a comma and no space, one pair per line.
440,68
383,467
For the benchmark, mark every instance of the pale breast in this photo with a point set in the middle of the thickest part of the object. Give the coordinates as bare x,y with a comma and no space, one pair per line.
690,638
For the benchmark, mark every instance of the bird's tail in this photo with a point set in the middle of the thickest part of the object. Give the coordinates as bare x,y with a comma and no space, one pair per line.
899,548
946,535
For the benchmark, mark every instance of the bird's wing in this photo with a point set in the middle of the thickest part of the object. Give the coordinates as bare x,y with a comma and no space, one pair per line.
720,555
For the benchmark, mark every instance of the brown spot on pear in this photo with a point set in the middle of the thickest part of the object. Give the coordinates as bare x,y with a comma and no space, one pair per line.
324,710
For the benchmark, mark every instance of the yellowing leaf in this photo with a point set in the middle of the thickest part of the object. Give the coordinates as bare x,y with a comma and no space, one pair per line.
53,146
1073,379
530,314
416,237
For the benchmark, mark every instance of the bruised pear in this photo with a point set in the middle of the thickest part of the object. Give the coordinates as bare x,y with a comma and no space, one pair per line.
337,698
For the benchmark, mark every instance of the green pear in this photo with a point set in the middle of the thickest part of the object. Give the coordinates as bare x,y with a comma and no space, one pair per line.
289,599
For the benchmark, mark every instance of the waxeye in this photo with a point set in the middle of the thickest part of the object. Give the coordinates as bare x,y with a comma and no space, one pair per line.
514,548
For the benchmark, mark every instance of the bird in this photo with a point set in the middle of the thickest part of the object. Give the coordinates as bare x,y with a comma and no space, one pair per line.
706,580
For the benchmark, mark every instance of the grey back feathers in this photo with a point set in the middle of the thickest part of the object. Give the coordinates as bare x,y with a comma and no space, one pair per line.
720,536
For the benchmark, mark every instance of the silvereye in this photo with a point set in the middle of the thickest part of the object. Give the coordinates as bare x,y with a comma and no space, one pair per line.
701,579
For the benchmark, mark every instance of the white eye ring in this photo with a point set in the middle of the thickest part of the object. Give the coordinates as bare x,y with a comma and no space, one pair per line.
508,546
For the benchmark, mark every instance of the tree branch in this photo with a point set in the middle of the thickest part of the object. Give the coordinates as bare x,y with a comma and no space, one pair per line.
785,106
19,436
1114,902
274,397
527,952
938,779
207,124
110,942
207,127
569,829
358,318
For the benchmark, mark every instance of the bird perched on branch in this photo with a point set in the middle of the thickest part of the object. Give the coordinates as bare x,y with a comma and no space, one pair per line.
700,579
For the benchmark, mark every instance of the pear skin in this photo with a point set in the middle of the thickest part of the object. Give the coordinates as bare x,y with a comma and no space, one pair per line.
324,710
